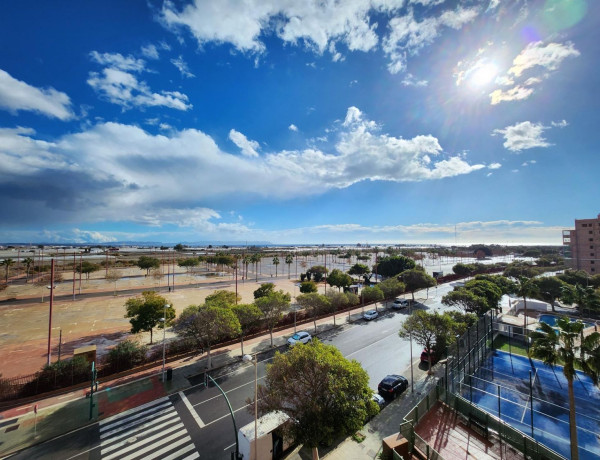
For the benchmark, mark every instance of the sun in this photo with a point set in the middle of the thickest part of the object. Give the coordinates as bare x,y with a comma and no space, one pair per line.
483,74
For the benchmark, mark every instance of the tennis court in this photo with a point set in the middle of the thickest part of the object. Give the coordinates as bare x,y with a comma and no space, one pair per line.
501,386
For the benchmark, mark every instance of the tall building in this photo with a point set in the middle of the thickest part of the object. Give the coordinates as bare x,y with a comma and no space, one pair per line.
582,245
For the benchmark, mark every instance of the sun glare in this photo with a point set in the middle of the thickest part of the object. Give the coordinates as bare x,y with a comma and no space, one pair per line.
483,75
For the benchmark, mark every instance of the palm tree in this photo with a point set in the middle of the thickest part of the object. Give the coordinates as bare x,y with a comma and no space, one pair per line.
526,287
276,263
7,263
560,347
28,261
247,260
584,297
255,259
289,259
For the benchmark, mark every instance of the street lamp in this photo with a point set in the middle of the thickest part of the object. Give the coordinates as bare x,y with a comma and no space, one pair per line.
164,321
253,360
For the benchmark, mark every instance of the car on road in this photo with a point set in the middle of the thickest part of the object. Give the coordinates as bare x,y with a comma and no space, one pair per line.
400,303
371,314
299,337
425,356
392,385
379,400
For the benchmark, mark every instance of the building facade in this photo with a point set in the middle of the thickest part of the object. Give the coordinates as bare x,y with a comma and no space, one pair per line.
582,245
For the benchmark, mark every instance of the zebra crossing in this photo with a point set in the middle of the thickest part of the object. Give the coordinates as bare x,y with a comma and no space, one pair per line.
150,431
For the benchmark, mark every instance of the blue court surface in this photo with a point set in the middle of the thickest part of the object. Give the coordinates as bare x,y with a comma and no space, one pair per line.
504,378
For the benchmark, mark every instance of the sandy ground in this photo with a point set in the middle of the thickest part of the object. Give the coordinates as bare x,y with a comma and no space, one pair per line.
98,321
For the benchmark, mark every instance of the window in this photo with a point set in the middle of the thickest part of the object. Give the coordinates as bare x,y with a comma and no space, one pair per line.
591,261
591,239
591,231
591,254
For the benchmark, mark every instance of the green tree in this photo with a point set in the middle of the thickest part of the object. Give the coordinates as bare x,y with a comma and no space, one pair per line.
249,316
329,397
289,260
521,270
264,290
125,355
463,270
147,263
276,263
526,287
113,276
318,272
28,261
179,247
372,294
308,286
415,280
86,268
506,285
272,307
315,304
574,277
255,259
207,325
359,270
560,347
146,311
549,288
391,287
188,263
424,327
486,289
339,279
340,301
222,298
583,296
466,300
7,263
393,265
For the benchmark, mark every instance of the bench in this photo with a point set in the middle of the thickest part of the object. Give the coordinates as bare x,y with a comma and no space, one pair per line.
478,425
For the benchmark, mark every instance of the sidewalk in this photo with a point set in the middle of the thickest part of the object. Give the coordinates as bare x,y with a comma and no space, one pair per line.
21,427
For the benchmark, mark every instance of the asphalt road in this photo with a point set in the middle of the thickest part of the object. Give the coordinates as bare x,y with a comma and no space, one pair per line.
197,421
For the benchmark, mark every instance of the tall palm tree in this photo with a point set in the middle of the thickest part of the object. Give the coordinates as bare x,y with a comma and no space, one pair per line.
255,259
7,263
289,259
276,263
28,261
561,347
526,287
584,296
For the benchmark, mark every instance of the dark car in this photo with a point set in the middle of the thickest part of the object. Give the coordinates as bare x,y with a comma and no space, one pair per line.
425,357
392,385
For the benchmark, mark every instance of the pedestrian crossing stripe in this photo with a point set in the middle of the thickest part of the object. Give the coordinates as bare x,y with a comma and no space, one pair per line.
151,431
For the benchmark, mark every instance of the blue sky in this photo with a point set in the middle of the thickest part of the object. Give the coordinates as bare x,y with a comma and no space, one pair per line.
415,121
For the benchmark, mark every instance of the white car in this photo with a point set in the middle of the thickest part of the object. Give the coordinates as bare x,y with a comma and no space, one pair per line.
371,314
400,303
379,400
300,337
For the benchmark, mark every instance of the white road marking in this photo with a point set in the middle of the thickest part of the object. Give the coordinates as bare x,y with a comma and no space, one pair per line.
191,409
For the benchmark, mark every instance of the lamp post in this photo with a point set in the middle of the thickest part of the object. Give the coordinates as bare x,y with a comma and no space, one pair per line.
237,445
412,386
253,360
164,321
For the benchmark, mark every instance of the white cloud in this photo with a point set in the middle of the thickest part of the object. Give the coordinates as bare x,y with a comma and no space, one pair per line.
410,80
538,54
522,136
293,127
130,174
514,94
247,146
16,95
494,166
118,61
559,124
407,35
150,51
118,85
182,67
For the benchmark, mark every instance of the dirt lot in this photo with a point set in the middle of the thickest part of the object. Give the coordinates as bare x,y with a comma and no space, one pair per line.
99,321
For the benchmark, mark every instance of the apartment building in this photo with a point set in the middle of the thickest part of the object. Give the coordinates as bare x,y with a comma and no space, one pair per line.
582,245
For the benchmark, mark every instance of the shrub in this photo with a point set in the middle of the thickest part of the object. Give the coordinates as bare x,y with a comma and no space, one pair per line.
125,355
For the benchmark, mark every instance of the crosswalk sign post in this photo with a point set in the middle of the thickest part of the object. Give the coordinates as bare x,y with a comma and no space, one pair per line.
93,389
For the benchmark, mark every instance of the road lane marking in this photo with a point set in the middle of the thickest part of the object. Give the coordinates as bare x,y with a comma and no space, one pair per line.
191,409
228,391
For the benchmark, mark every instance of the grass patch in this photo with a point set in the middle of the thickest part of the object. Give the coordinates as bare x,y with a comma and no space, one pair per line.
501,343
358,437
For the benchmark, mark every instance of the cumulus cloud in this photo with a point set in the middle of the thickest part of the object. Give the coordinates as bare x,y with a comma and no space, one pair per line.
293,127
16,95
522,136
130,174
247,146
494,166
117,84
411,80
514,94
538,54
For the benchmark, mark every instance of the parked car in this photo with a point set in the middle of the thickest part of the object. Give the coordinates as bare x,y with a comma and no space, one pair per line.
371,314
379,400
299,337
392,385
425,356
400,303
